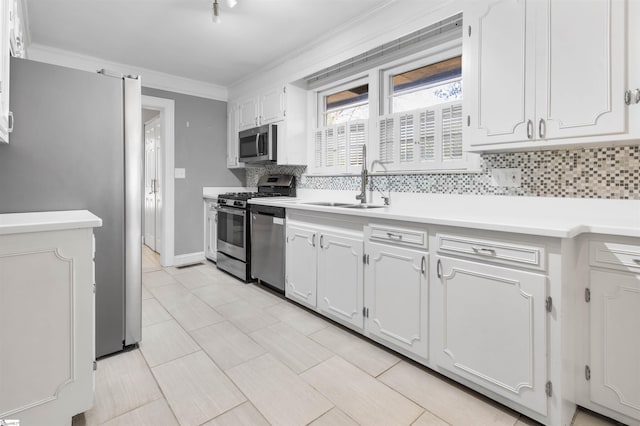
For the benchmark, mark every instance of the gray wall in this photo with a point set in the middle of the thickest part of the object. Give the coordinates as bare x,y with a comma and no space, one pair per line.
200,148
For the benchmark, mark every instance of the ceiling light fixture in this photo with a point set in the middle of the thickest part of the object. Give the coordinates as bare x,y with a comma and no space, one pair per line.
215,9
215,15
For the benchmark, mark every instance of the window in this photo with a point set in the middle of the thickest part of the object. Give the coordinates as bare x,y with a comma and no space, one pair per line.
343,104
424,86
412,120
343,113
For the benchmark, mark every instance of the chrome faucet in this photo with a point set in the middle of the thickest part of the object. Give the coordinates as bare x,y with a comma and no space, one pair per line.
387,199
364,177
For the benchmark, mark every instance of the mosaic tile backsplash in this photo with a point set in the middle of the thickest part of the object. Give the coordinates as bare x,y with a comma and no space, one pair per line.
611,172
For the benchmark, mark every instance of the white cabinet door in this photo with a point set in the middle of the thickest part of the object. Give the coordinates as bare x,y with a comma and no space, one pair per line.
272,105
232,136
47,328
581,78
494,329
211,237
499,53
340,278
248,113
397,296
301,265
615,346
5,115
537,71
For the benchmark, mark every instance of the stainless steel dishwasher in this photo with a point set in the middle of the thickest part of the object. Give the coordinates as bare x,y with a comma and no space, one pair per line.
268,245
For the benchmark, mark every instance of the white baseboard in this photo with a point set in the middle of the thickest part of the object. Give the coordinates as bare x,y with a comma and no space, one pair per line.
188,259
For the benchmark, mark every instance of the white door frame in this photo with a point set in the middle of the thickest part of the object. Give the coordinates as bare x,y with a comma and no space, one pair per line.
167,165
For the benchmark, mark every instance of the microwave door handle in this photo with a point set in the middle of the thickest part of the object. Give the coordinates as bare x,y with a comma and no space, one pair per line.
257,144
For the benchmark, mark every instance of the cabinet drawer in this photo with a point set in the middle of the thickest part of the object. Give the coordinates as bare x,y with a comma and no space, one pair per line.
614,255
398,236
498,251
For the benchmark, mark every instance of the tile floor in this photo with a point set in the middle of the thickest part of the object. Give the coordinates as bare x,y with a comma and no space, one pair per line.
219,352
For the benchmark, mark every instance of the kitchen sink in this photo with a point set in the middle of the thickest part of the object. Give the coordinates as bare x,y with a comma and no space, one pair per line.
327,204
364,206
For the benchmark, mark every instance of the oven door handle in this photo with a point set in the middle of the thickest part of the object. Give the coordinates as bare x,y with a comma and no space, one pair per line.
236,212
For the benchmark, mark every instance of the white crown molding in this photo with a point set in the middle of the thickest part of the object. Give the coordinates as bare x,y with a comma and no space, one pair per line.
150,78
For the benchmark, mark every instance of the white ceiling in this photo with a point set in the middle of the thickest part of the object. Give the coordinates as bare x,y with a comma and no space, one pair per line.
178,37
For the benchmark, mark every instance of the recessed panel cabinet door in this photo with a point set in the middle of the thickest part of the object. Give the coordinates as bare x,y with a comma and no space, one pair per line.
581,79
615,345
272,105
498,55
494,329
301,265
398,297
340,278
248,113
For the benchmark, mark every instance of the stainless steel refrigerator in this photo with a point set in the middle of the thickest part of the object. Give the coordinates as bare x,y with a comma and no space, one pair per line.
77,144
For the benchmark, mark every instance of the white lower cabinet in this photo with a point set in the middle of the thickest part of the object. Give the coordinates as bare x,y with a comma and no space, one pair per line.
47,326
614,349
397,296
340,278
301,265
493,328
211,236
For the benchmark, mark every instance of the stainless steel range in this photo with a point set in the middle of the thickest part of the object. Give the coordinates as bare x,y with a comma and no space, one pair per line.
234,224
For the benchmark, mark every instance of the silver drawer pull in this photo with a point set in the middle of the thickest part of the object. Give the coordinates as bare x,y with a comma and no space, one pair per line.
393,236
484,251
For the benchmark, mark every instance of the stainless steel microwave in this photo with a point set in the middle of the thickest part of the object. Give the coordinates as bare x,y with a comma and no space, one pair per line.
259,145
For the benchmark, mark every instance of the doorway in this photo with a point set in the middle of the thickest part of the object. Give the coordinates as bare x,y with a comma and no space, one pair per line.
164,226
153,141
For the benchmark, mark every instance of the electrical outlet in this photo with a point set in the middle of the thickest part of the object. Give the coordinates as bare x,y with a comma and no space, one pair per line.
180,173
510,178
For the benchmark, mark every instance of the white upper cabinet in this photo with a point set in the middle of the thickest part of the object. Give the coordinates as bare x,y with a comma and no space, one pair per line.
6,118
272,105
543,73
248,113
232,136
283,104
265,108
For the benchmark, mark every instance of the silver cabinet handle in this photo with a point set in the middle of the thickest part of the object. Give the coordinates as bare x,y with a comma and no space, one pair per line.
439,268
393,236
484,251
10,122
423,265
529,129
542,128
215,218
313,240
321,239
627,97
637,95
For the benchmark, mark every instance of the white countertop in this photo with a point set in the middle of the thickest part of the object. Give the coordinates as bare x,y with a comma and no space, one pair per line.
17,223
544,216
